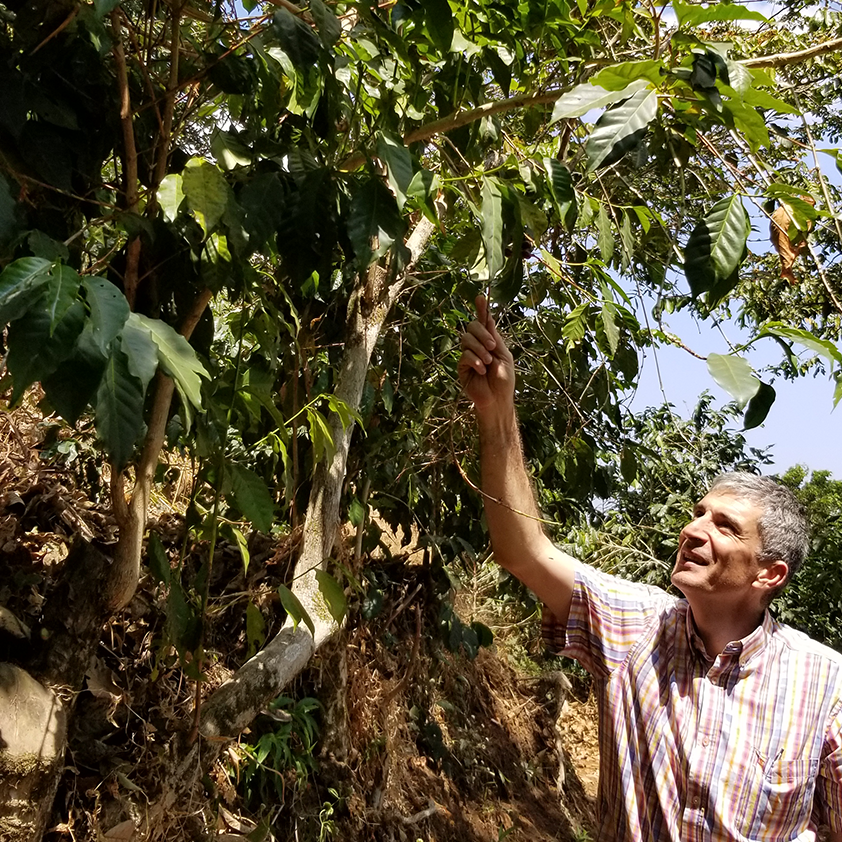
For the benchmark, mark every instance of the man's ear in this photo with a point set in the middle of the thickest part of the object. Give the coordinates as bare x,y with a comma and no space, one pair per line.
771,576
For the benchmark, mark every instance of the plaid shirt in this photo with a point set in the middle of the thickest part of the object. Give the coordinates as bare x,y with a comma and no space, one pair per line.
744,746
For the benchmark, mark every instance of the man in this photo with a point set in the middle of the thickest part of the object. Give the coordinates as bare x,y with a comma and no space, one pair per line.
716,722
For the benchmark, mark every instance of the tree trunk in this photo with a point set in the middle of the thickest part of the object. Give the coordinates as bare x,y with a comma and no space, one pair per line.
235,704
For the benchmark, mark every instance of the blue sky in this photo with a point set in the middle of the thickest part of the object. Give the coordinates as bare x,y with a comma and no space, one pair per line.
801,426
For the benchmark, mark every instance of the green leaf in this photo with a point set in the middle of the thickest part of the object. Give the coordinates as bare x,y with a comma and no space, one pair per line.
690,15
255,628
334,596
605,240
620,129
823,347
757,98
42,245
717,247
230,152
374,222
320,436
733,374
484,634
73,384
105,7
109,311
206,190
119,409
19,282
587,97
609,324
617,77
330,29
560,182
295,609
141,351
8,212
252,496
177,358
171,195
297,40
61,293
356,512
492,225
159,564
398,165
36,347
759,406
438,18
749,122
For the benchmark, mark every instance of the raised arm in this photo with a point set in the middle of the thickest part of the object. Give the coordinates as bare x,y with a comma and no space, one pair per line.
486,371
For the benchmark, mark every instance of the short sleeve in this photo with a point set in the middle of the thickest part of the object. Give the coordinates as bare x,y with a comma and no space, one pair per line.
608,615
829,781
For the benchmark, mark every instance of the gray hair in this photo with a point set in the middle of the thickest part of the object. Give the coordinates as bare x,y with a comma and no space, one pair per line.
783,527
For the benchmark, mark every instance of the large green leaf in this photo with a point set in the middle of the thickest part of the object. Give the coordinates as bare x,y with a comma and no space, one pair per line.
206,190
171,195
374,222
62,292
560,182
329,27
734,374
19,283
73,384
587,97
297,40
620,129
617,77
605,240
492,225
140,349
439,20
716,248
691,14
119,409
36,347
398,165
177,358
251,495
109,311
759,406
263,200
823,347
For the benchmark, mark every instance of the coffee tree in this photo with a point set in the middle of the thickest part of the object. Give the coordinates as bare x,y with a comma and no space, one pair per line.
282,213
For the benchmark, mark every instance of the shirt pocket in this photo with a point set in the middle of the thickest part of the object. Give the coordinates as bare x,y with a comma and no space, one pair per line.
784,798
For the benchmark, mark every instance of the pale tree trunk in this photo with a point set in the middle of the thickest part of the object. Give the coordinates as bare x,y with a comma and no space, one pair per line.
235,704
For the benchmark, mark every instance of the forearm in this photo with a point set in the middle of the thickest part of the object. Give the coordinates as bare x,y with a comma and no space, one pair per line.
517,537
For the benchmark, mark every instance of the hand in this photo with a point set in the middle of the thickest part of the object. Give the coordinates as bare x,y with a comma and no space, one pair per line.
486,367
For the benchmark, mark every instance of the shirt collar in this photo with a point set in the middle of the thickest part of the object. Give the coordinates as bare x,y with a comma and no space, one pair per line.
745,650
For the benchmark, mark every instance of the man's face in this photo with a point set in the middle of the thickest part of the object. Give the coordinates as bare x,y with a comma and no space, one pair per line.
718,549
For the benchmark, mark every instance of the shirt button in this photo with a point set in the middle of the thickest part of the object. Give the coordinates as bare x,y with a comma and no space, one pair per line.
705,742
697,801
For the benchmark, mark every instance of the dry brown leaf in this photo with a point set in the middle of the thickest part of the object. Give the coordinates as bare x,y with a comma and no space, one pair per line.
123,832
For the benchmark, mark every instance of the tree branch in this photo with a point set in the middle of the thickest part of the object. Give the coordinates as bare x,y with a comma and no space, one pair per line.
132,518
785,59
129,158
462,118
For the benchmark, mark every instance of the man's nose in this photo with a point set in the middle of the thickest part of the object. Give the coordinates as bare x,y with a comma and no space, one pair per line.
696,529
